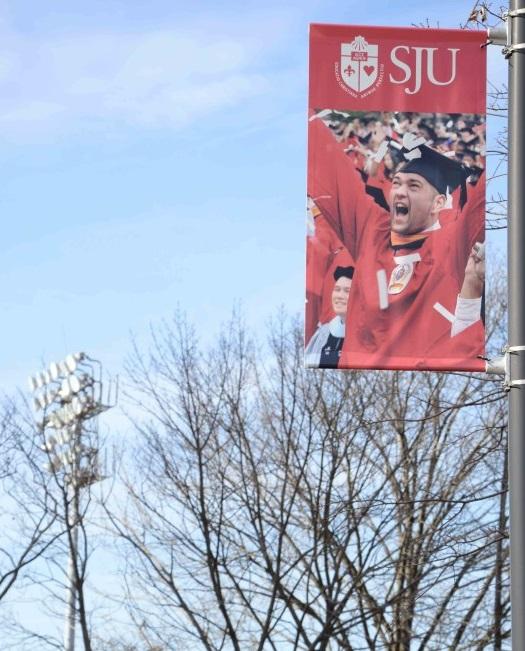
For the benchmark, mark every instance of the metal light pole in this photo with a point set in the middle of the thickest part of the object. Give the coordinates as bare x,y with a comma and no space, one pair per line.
513,361
516,266
68,394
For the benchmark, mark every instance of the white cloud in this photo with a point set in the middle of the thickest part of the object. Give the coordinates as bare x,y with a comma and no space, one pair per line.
163,78
31,111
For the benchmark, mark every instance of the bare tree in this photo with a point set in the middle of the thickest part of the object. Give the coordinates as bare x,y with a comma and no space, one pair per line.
270,507
28,526
50,540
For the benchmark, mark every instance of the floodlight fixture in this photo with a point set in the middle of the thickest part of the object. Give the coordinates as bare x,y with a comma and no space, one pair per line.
48,446
59,420
75,384
77,406
65,389
71,363
72,393
49,398
67,394
53,465
64,415
67,434
54,370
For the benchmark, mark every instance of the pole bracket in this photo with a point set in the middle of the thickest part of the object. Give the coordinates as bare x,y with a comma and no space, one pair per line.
502,35
501,366
498,36
509,50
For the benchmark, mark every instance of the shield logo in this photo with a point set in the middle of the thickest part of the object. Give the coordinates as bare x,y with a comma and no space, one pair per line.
359,64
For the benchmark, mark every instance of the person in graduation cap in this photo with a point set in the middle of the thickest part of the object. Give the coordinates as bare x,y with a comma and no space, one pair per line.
324,348
410,260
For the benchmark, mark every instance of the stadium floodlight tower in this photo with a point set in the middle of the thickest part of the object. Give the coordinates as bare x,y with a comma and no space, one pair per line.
66,395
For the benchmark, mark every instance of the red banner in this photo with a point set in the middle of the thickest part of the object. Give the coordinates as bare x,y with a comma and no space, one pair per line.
396,199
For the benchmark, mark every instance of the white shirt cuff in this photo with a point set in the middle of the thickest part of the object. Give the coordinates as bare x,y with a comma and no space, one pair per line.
468,311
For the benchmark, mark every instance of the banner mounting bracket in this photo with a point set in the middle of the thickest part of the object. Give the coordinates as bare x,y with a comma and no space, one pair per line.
509,50
501,366
501,35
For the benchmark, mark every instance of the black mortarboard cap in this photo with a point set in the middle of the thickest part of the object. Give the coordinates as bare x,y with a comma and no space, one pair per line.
442,172
428,129
365,139
367,118
396,152
343,272
473,142
469,152
475,173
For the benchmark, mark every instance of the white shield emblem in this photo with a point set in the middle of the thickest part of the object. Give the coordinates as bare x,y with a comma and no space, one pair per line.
359,63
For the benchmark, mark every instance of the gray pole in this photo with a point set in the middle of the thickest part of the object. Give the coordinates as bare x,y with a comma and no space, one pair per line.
73,519
516,266
71,593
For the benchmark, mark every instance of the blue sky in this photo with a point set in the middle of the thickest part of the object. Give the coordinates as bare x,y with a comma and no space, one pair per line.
153,156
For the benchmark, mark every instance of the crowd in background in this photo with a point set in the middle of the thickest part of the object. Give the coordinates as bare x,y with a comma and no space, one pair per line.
461,136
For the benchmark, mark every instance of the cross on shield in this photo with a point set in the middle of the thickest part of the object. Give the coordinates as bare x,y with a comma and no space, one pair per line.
359,64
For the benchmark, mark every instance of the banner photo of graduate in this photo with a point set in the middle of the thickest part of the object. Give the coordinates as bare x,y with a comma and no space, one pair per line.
395,248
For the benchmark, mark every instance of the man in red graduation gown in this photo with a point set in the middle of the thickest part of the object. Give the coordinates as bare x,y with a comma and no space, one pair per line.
409,287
